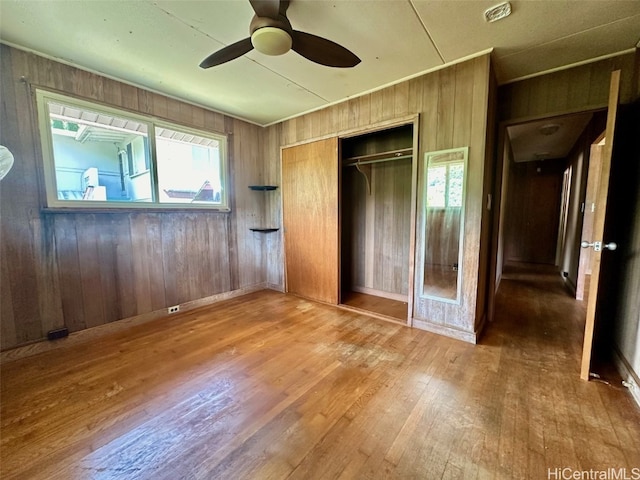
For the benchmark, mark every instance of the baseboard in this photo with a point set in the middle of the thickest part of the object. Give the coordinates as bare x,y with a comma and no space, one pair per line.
275,286
628,375
469,337
480,327
119,325
380,293
369,313
570,285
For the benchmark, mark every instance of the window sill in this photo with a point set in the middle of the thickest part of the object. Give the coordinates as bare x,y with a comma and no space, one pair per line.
127,209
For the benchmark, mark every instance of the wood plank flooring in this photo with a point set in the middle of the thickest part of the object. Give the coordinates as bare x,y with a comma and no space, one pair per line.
270,386
373,303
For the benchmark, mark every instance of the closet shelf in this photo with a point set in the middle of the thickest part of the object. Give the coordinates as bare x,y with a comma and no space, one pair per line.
264,230
263,188
379,157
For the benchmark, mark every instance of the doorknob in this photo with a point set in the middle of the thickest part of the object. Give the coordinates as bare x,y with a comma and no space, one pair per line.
598,246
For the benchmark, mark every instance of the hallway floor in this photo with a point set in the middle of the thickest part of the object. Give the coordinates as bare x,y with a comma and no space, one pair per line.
557,419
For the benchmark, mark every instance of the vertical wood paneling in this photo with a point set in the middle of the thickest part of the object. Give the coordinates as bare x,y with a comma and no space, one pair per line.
71,287
125,281
141,279
353,222
274,260
7,324
429,117
464,83
533,212
461,94
488,245
154,254
453,108
171,260
87,236
85,269
107,260
446,108
391,194
585,87
234,199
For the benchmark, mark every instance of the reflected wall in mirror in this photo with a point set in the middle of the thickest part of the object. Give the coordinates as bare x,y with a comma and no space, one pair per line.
444,196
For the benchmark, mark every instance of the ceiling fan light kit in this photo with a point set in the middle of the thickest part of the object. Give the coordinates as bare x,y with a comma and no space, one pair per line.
271,41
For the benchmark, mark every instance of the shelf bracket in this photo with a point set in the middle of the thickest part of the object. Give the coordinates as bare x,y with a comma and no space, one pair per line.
366,171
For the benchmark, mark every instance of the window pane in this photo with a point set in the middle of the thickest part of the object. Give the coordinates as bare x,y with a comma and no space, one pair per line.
456,174
436,186
99,157
189,167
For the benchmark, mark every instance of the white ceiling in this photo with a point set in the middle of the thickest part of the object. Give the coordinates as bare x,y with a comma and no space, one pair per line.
158,44
530,142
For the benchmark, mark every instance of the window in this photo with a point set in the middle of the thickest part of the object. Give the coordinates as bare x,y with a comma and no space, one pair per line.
444,185
97,156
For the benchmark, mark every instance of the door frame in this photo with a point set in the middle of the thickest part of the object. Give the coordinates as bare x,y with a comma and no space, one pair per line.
499,197
414,121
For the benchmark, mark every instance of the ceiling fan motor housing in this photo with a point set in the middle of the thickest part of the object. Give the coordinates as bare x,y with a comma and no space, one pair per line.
271,36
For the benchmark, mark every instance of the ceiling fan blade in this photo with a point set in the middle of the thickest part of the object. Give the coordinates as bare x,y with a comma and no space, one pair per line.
266,8
323,51
227,53
284,4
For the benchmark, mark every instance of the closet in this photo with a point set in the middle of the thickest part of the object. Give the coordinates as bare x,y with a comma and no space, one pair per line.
376,221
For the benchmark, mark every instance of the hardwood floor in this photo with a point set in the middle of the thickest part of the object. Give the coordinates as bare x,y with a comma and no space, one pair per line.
273,386
372,303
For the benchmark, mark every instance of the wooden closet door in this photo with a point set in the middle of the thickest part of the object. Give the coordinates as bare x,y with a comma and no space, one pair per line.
310,215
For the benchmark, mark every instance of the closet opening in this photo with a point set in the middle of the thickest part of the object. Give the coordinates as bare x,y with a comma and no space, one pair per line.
375,221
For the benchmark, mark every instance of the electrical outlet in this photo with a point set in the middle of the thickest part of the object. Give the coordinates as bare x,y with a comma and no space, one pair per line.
174,309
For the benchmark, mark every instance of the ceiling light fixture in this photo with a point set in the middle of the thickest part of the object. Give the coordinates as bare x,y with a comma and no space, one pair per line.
549,129
271,41
497,12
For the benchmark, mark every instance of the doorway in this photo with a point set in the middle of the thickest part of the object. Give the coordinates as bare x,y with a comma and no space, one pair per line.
376,191
546,169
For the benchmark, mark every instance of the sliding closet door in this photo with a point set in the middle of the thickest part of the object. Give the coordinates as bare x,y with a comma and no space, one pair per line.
310,214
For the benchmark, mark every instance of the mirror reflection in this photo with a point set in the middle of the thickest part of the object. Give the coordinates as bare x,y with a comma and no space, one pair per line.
444,204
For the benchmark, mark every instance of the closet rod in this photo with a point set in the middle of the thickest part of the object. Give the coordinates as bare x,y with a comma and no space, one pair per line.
366,162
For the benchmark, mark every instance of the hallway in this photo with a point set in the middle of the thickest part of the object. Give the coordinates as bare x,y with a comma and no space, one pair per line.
557,419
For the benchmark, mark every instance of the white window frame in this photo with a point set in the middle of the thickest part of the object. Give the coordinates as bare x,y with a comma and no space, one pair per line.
53,202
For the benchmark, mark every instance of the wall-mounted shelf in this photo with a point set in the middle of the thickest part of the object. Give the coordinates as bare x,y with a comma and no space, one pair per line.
263,188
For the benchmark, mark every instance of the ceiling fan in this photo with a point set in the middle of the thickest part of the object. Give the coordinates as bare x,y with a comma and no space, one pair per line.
272,34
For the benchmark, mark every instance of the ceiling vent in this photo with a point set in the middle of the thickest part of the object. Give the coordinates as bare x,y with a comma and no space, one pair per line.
498,12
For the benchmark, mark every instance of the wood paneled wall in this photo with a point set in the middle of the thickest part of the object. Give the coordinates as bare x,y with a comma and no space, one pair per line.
375,228
86,269
453,108
581,88
533,211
